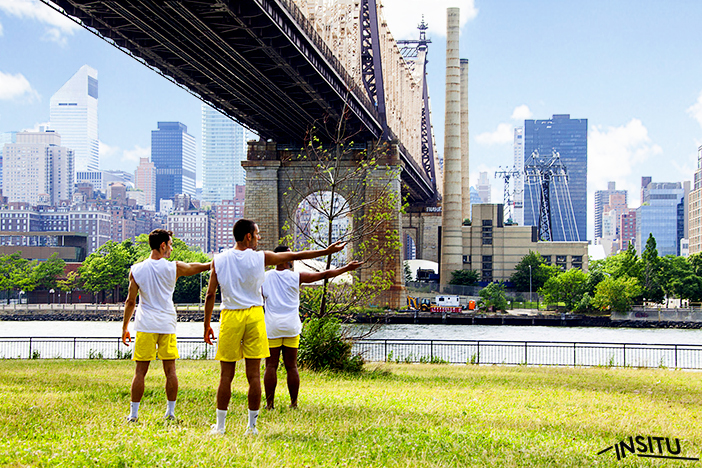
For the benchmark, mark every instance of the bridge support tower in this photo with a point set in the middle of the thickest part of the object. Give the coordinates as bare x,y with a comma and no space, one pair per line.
270,173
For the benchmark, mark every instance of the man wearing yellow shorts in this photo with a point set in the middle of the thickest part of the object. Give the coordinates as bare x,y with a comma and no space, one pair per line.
154,280
239,272
281,291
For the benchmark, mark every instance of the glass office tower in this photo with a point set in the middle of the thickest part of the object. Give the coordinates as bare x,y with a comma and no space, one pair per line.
74,115
173,154
569,138
223,148
662,214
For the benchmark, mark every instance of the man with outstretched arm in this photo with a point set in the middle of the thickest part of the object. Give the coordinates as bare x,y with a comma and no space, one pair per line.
154,280
239,272
281,291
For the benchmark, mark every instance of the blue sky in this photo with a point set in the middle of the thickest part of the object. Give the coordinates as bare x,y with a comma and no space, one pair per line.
632,68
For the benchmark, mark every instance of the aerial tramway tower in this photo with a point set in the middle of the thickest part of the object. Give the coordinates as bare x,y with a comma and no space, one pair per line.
548,175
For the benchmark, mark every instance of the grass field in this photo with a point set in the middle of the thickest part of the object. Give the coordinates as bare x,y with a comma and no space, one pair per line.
71,413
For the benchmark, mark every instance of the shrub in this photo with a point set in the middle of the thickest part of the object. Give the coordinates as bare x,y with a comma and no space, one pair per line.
323,347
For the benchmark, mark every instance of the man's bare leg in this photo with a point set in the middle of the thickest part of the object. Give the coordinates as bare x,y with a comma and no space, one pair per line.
137,390
293,376
270,377
169,368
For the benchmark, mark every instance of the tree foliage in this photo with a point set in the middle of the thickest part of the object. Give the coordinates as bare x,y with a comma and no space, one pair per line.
568,287
493,295
539,272
47,273
616,294
465,277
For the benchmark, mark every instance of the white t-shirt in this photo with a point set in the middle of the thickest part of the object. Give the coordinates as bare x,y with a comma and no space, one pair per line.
155,312
281,289
240,274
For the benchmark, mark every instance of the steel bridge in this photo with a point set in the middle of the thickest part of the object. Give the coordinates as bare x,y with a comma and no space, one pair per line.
265,64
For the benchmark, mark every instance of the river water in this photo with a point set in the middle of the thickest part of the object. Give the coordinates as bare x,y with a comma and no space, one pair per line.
393,331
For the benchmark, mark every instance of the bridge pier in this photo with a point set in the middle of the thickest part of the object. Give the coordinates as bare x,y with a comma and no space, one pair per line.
278,180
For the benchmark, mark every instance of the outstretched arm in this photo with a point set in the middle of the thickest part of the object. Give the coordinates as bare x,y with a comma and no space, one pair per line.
209,305
129,306
306,277
276,258
190,269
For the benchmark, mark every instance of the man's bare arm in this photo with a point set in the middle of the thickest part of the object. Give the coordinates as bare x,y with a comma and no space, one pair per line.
209,305
306,277
190,269
129,306
276,258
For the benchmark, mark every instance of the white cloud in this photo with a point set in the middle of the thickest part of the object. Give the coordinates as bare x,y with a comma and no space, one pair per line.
114,157
1,31
695,110
133,155
504,134
522,113
403,16
38,127
16,86
58,26
616,154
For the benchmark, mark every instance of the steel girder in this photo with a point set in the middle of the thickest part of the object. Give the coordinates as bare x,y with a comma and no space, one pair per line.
257,61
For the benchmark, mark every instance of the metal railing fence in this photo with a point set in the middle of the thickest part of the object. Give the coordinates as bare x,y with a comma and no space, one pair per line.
531,353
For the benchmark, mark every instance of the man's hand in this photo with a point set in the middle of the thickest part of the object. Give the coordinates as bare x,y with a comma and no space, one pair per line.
209,335
126,337
354,265
336,247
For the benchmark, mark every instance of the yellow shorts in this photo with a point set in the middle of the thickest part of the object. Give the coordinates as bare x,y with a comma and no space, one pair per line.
288,342
146,344
242,334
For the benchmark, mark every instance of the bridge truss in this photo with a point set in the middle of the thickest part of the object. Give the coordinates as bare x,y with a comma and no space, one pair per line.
278,67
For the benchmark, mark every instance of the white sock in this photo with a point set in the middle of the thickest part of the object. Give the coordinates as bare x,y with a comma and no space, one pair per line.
134,407
170,408
253,416
221,419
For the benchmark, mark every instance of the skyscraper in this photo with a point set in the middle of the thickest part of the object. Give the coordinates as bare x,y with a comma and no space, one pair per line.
614,200
695,208
484,187
145,180
662,215
568,137
223,149
173,155
519,179
37,169
73,115
5,137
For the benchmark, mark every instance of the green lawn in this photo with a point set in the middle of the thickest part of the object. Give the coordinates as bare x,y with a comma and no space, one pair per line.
70,413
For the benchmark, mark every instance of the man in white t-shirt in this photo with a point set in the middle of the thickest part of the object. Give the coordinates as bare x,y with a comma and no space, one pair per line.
154,280
240,272
281,291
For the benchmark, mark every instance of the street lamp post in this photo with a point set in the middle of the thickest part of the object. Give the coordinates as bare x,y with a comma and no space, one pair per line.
51,291
530,283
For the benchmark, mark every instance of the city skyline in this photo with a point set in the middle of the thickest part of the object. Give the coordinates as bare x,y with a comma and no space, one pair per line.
600,62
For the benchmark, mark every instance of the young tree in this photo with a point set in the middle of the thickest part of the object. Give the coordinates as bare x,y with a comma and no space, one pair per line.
493,295
46,274
568,287
465,277
616,294
108,268
351,195
651,272
539,272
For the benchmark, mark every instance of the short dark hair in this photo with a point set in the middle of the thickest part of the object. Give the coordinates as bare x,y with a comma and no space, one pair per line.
243,227
281,248
158,237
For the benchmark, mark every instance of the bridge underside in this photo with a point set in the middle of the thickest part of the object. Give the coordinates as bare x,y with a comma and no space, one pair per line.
257,61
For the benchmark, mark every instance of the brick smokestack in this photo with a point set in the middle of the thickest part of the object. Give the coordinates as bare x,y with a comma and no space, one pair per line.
451,210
